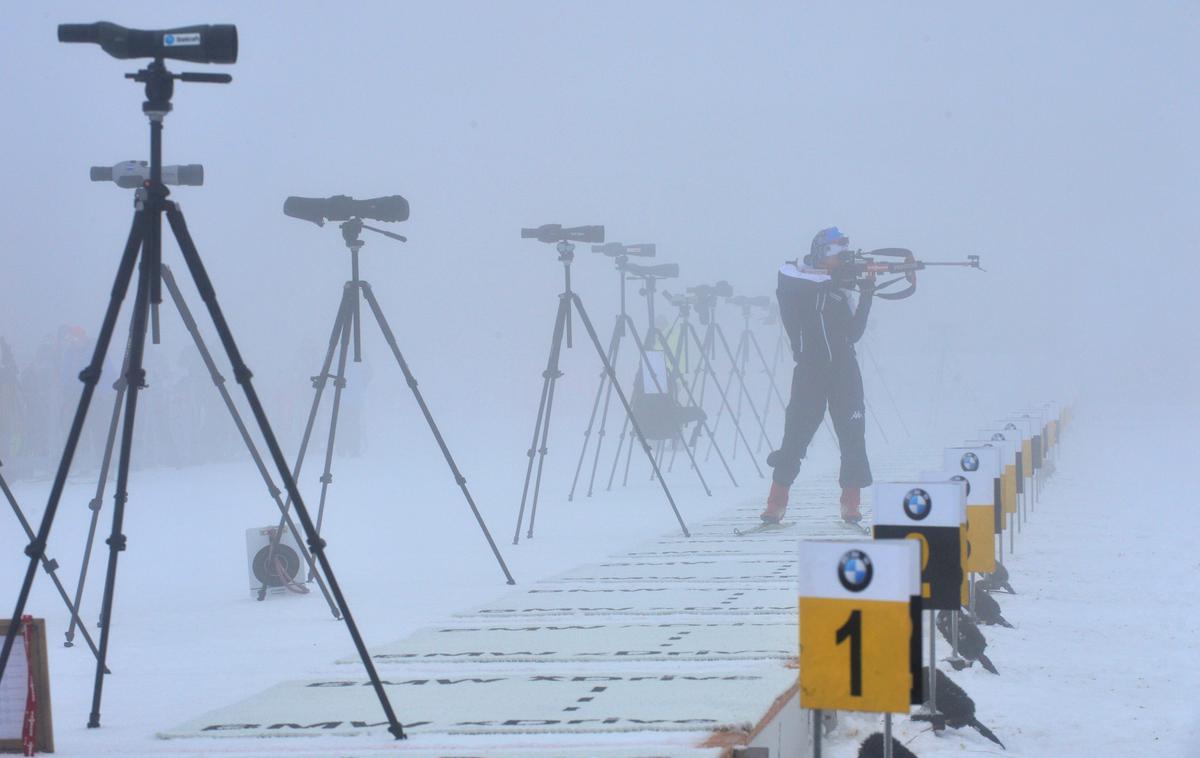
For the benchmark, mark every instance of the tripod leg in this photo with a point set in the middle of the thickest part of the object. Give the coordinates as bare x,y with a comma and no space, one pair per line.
749,402
773,390
97,502
628,460
672,368
617,456
658,456
720,410
319,382
90,376
612,377
740,356
706,366
537,482
709,349
587,433
243,376
548,376
135,380
433,427
50,566
339,384
603,423
189,323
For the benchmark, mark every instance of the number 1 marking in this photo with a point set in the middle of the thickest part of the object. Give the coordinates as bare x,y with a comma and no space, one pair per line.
853,629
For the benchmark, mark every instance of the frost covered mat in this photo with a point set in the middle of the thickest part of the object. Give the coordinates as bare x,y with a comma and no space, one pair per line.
712,549
516,703
562,642
697,599
712,570
811,521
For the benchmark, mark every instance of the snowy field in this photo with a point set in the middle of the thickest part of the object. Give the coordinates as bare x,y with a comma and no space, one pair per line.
1098,630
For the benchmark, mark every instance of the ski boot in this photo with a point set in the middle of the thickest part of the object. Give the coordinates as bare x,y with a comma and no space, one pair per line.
851,499
777,503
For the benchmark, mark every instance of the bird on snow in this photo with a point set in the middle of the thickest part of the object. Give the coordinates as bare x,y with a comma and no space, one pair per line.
872,747
987,610
956,707
971,642
997,581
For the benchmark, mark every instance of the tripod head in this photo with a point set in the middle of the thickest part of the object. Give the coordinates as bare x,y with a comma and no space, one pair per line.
683,302
160,86
199,44
352,228
351,212
705,298
564,238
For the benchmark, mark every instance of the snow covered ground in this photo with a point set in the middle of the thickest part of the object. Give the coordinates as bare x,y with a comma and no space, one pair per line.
1103,658
1102,661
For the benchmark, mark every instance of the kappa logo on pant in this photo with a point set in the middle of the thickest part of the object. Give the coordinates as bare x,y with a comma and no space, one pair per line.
856,416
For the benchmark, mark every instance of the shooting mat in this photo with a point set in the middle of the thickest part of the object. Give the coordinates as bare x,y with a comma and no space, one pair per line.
565,641
514,703
679,598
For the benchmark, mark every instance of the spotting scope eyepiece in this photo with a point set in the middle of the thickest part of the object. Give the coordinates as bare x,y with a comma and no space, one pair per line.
204,43
556,233
661,271
343,208
616,250
134,174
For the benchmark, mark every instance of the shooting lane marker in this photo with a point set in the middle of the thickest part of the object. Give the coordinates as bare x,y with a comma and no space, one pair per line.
932,514
856,602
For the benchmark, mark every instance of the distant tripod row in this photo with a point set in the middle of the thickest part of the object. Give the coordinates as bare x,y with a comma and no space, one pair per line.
655,412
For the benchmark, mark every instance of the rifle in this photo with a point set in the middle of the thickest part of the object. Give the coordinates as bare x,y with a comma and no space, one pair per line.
856,264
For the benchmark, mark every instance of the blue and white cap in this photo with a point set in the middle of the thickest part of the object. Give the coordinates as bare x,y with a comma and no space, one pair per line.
826,239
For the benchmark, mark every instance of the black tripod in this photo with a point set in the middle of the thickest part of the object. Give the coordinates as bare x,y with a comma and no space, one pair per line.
347,323
655,337
541,427
624,325
143,249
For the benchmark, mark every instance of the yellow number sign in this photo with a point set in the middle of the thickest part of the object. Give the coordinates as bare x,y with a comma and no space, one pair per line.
856,624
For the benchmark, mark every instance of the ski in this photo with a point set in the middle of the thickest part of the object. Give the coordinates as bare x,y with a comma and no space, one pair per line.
858,526
765,527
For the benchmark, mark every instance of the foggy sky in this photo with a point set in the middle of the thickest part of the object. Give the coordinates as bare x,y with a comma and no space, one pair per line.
1057,141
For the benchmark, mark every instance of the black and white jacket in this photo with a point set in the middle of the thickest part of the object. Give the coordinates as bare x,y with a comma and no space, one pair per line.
818,314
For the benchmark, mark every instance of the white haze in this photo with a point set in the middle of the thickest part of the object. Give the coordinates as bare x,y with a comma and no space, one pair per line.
1056,142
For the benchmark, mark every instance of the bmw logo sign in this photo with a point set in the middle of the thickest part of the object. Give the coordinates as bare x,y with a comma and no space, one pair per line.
917,504
997,437
970,462
964,480
855,570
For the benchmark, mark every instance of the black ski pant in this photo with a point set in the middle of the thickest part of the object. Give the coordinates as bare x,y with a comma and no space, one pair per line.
815,385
